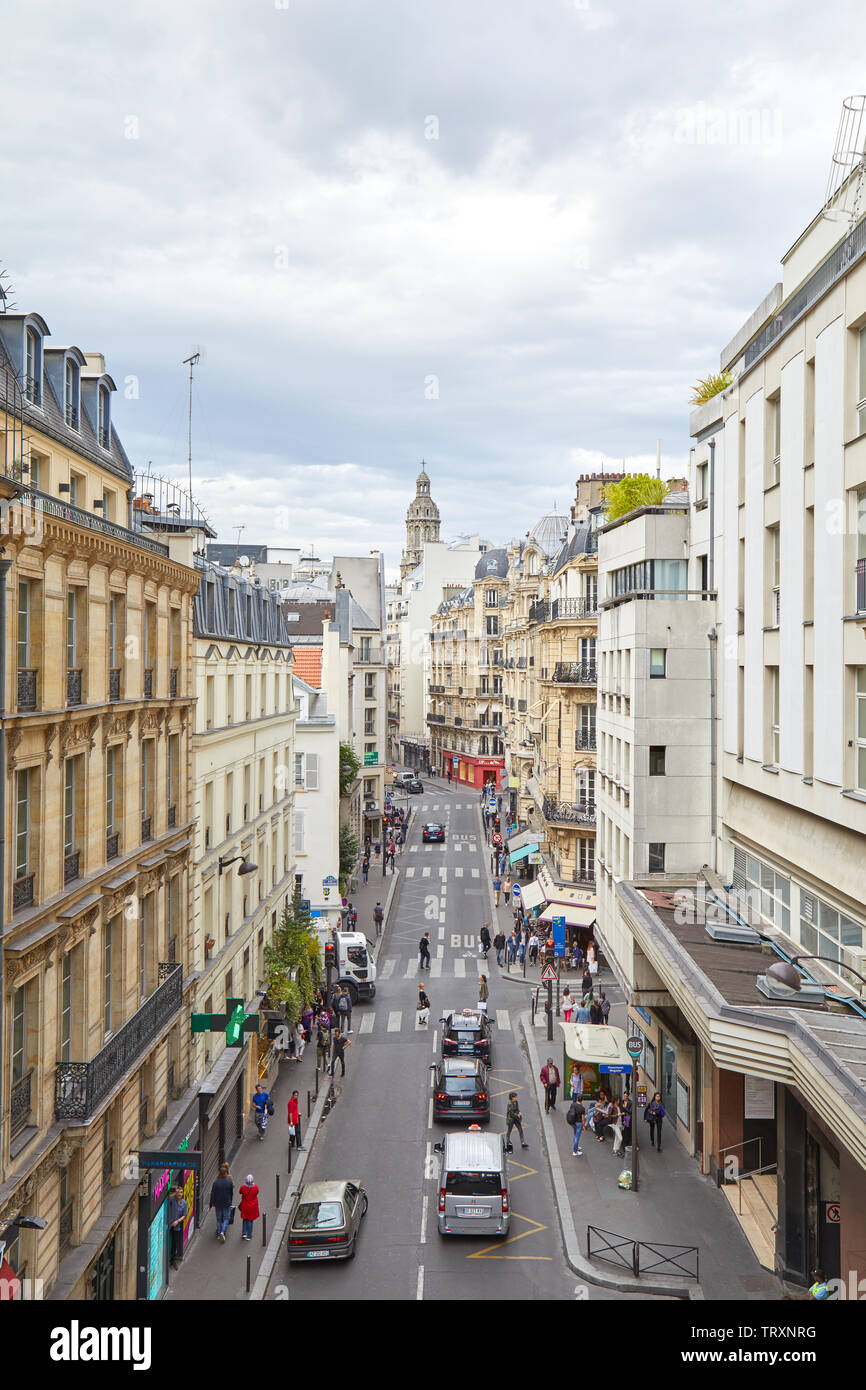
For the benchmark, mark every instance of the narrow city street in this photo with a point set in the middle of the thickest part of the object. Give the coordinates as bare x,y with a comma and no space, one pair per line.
380,1130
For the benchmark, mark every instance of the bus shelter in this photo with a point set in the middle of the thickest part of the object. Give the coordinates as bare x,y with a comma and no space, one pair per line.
597,1054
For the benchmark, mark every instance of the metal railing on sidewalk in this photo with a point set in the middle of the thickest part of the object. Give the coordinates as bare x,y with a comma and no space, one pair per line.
643,1256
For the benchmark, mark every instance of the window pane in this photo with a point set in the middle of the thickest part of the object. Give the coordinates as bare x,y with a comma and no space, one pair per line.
861,769
808,938
852,933
861,717
829,921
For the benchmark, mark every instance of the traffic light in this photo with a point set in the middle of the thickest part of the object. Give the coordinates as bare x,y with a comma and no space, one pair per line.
330,955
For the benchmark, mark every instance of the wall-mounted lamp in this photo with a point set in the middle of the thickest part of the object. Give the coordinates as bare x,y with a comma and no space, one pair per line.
246,865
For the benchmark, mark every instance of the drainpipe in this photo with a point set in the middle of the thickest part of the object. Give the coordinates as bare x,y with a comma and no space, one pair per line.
711,566
5,566
713,637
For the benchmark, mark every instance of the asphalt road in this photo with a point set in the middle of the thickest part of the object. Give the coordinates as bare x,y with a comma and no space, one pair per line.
380,1130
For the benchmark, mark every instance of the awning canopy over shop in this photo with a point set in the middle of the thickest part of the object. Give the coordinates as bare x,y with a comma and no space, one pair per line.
603,1047
532,895
574,916
524,850
527,839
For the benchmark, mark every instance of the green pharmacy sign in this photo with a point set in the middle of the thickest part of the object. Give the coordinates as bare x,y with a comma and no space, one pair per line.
234,1023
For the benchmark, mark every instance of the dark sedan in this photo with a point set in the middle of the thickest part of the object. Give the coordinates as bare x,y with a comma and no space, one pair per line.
467,1034
433,834
460,1089
325,1221
415,787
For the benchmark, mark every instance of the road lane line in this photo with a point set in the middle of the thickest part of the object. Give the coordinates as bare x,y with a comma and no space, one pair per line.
441,933
367,1023
395,1020
435,1036
410,871
411,970
425,872
424,1206
502,1020
387,969
460,969
430,1114
458,872
419,1295
441,916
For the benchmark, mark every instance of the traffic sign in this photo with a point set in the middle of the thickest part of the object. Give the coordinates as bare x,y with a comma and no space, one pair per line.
515,892
548,975
497,838
833,1212
557,931
634,1045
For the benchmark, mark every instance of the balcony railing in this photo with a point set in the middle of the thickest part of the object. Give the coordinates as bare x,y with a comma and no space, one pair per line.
80,1087
22,892
584,739
539,611
374,657
20,1106
146,829
114,683
584,876
65,511
573,608
569,812
112,846
73,687
172,683
575,673
26,689
436,718
71,866
148,683
861,586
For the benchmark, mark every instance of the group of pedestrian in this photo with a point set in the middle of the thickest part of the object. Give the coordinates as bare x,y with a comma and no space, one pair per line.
585,1008
609,1115
222,1203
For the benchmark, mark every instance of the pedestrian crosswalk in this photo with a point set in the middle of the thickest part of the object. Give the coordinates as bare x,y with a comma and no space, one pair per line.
426,871
377,1022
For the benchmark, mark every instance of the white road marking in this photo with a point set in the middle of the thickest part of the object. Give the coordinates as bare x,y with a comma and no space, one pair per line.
411,970
502,1020
441,916
441,933
455,941
430,1164
436,968
395,1021
443,874
419,1295
435,1036
424,1209
387,969
430,1119
460,968
468,942
472,845
476,873
458,847
427,848
458,872
410,871
425,872
482,965
367,1023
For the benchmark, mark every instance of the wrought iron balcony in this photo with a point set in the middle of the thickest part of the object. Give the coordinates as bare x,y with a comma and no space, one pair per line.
435,718
114,683
172,682
568,812
148,683
22,892
584,876
112,846
52,506
575,673
80,1087
73,687
573,608
584,739
26,689
71,866
539,611
146,831
861,586
20,1106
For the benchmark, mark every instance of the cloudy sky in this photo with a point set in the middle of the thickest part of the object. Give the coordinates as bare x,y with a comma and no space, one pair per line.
506,237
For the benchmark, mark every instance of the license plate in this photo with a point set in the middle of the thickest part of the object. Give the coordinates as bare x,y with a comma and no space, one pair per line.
471,1211
466,1047
461,1104
318,1254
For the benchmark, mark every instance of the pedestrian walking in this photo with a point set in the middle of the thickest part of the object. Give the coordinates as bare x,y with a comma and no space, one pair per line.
343,1001
294,1123
506,889
550,1081
514,1120
365,869
249,1195
338,1053
499,944
424,951
300,1041
484,940
177,1213
499,803
221,1195
263,1107
378,917
605,1007
483,994
575,1116
422,1008
521,950
307,1022
534,944
513,944
595,1011
497,888
567,1004
323,1045
654,1114
583,1013
586,983
351,918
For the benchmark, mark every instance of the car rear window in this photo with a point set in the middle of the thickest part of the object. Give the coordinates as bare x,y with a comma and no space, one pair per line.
473,1184
466,1037
461,1085
318,1216
434,827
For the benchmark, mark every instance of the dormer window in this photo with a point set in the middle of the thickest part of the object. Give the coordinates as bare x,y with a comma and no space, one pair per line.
33,367
103,424
71,394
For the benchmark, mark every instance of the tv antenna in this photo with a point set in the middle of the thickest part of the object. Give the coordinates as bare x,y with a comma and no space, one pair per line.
6,300
848,164
191,362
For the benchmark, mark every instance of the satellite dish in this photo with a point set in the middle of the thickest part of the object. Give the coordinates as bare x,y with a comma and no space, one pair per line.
245,560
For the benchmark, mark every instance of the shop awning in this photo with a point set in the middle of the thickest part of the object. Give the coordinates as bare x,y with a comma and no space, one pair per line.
574,916
532,895
521,853
524,840
601,1046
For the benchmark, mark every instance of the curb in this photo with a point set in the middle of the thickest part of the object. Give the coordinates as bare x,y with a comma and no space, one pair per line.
574,1255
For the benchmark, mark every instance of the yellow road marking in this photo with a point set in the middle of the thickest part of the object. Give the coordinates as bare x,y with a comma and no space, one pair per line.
510,1240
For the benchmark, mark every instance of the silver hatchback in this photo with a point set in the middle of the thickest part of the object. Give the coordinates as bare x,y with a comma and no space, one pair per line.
474,1196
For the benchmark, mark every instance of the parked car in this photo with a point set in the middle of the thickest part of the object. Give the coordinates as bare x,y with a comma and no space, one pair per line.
414,787
325,1220
474,1196
460,1089
433,834
403,779
467,1033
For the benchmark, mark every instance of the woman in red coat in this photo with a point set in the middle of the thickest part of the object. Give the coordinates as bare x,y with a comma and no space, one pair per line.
249,1195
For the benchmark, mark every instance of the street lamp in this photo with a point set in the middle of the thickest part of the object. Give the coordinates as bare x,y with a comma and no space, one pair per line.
247,867
22,1223
783,972
634,1047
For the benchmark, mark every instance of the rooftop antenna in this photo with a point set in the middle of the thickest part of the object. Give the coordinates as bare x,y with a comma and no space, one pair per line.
658,458
848,164
191,361
6,300
240,528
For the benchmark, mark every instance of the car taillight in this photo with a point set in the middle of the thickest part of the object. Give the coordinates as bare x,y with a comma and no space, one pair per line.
449,1042
442,1199
504,1201
482,1095
337,1240
441,1095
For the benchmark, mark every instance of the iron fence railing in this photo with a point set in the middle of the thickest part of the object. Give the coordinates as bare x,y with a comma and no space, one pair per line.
573,608
65,511
114,683
643,1256
146,828
26,689
80,1087
172,682
20,1103
148,683
584,740
71,866
22,892
575,673
861,586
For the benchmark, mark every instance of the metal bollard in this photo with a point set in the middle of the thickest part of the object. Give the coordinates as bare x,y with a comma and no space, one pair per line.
308,1105
278,1191
264,1228
249,1263
289,1160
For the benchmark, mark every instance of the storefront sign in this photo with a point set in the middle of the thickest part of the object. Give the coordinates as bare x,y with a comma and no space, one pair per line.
759,1098
170,1158
371,759
614,1068
534,857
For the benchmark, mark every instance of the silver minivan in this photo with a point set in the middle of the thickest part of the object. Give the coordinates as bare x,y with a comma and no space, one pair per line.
474,1197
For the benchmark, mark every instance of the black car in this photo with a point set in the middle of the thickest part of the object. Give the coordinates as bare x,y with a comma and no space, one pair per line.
433,834
467,1033
460,1089
414,787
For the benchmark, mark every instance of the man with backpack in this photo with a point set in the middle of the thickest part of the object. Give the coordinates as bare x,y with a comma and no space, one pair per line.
575,1116
378,917
323,1041
343,1005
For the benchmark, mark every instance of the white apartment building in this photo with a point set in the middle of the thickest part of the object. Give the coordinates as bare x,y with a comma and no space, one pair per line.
317,804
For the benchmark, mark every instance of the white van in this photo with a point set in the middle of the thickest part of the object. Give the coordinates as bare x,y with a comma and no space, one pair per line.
474,1196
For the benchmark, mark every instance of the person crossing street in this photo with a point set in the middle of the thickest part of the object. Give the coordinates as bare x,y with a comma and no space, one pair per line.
424,951
513,1120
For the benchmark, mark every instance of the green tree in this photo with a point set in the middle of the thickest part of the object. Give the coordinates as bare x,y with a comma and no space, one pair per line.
350,766
709,386
632,491
348,850
292,968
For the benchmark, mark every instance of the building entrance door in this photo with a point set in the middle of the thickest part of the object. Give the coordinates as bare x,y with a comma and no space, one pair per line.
669,1080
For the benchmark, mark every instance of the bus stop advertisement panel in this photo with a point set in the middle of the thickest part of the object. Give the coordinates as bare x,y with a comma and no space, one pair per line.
597,1055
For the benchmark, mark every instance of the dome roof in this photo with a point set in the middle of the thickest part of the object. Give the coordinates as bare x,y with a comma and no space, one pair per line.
549,532
493,565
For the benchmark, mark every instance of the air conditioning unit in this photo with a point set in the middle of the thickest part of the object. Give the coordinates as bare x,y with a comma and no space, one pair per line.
854,957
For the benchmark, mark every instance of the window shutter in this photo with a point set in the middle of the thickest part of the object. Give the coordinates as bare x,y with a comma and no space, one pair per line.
312,772
300,832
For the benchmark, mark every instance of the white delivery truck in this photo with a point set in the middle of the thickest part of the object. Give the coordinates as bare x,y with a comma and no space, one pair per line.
353,961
